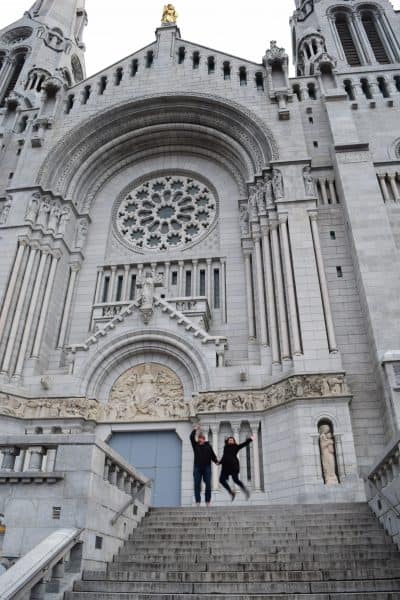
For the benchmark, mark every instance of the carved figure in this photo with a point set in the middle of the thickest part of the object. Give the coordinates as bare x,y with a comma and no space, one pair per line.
260,198
169,15
148,283
244,220
33,208
277,184
81,234
44,211
5,211
65,217
253,208
328,454
54,217
308,182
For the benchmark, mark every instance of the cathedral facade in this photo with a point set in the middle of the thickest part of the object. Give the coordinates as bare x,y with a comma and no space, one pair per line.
191,237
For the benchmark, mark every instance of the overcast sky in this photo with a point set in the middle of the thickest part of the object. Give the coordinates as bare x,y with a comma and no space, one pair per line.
118,28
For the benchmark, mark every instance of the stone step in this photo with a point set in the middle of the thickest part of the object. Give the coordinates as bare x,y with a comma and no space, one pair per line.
234,539
242,577
329,507
280,587
149,596
215,566
260,528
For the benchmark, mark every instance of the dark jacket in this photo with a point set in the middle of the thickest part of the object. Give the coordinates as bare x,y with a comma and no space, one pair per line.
203,453
229,460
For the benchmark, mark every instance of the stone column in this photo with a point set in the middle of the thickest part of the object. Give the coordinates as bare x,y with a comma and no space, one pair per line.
280,293
31,312
10,294
291,294
166,277
195,285
384,189
223,291
74,270
249,294
9,456
394,187
36,458
256,458
112,284
323,283
209,282
332,191
19,309
125,289
269,288
260,290
97,296
45,305
215,444
324,196
181,279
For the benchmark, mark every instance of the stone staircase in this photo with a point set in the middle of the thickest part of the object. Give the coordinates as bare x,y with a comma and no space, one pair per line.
320,552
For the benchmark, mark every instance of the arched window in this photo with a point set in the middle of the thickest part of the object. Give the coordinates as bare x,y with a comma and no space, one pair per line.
149,59
366,88
312,94
181,55
243,76
196,60
134,67
260,82
77,70
397,82
19,61
348,88
383,87
369,23
346,39
211,65
119,73
297,91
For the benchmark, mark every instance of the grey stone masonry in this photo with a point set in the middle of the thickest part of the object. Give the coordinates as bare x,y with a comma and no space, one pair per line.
316,553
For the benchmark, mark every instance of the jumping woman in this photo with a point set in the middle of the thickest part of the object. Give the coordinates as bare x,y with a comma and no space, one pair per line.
231,466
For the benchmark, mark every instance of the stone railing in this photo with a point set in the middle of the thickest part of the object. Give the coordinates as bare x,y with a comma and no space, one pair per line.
28,463
92,489
196,308
49,568
383,491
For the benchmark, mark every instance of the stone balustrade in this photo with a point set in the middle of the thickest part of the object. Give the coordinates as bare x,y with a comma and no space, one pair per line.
28,464
383,491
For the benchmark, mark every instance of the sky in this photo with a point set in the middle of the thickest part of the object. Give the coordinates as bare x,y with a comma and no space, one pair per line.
120,27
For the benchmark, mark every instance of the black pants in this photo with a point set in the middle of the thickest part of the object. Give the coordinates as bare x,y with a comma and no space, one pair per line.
235,476
202,473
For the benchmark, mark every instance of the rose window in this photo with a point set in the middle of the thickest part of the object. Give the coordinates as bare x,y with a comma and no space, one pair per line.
166,212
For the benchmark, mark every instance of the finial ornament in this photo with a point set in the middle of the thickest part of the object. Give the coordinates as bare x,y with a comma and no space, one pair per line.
169,15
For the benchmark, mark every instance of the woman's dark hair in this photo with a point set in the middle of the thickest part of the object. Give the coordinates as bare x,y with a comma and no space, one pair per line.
230,437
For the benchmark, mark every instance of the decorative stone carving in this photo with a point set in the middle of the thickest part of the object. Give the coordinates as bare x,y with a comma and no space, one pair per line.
309,183
81,234
328,454
37,408
301,386
146,392
275,54
170,16
32,211
44,211
244,220
65,217
277,184
253,208
5,207
166,212
147,284
54,217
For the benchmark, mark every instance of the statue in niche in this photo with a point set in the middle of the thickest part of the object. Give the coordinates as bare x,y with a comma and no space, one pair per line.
5,210
33,208
54,217
169,15
44,211
308,182
253,209
244,220
268,190
81,234
277,184
65,217
328,454
260,189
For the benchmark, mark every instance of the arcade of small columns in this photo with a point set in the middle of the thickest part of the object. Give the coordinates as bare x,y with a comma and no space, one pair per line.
270,284
218,431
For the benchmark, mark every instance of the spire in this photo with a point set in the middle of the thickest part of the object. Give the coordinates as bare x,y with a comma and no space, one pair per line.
68,15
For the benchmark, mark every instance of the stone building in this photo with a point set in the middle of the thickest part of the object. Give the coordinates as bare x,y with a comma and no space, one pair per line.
191,236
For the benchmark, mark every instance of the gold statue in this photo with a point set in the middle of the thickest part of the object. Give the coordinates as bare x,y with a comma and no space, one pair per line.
169,15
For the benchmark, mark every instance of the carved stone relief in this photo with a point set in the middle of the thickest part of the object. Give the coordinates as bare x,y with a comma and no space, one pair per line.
153,392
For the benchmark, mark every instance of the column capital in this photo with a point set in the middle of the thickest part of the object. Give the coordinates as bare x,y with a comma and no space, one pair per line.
313,214
35,245
254,426
181,263
208,261
283,218
127,267
113,268
195,261
75,267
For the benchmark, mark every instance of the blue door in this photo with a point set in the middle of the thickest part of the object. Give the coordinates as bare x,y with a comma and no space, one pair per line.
158,455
